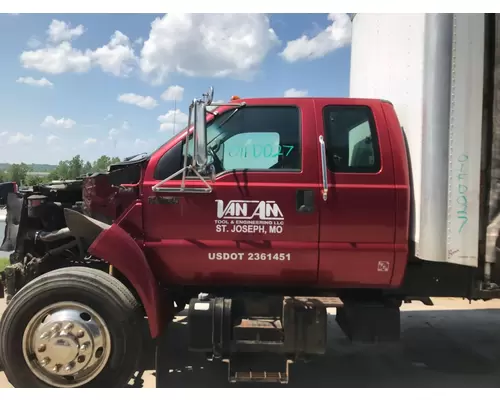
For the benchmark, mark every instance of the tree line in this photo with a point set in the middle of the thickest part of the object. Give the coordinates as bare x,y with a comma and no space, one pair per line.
66,169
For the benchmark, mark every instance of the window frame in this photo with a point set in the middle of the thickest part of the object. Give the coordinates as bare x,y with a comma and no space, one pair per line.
377,167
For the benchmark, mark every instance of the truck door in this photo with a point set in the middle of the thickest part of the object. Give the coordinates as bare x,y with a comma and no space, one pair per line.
357,219
260,222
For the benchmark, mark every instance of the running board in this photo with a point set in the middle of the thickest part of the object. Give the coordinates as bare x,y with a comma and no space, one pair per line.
258,368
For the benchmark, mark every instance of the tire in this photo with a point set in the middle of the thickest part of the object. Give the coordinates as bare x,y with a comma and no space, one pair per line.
103,294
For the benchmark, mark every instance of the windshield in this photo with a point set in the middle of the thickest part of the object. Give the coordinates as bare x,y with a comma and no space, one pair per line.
169,140
209,136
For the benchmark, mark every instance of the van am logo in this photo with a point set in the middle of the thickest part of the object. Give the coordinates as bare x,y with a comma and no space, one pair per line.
264,210
249,217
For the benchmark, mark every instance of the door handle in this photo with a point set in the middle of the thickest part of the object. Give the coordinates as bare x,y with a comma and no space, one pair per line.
323,167
305,201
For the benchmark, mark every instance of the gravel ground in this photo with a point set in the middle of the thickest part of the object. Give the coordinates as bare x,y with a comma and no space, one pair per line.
452,344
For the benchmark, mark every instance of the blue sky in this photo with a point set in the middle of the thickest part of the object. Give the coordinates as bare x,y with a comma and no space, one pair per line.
94,84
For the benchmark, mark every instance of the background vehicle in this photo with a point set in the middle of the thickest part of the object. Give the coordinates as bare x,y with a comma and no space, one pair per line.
264,210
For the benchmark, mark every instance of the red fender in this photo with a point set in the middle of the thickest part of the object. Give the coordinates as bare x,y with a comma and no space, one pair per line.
119,249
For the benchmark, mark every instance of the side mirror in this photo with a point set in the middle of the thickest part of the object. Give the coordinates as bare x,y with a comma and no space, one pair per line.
210,95
200,135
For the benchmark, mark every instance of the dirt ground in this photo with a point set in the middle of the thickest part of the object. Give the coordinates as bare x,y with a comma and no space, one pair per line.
452,344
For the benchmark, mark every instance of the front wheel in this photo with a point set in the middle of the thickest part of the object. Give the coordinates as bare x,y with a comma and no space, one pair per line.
73,327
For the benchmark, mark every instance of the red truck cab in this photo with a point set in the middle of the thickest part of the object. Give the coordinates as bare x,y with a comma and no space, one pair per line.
269,219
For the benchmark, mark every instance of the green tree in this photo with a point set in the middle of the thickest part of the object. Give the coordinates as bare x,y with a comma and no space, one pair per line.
75,167
32,180
3,176
60,172
87,168
103,162
17,173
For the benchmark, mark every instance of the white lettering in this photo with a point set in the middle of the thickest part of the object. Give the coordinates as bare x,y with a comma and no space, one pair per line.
250,256
240,209
249,229
249,217
275,229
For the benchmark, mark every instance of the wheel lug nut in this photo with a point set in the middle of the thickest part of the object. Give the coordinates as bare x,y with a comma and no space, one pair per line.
84,346
68,327
44,336
56,328
56,368
42,348
45,361
80,334
69,367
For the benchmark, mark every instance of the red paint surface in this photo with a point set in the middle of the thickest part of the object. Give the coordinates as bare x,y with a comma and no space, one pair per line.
364,221
119,249
403,193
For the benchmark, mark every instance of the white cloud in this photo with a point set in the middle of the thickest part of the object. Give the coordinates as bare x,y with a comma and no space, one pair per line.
113,132
19,138
213,45
65,123
52,139
292,92
139,41
140,142
173,121
175,92
60,31
28,80
90,141
109,116
58,59
335,36
146,102
117,57
220,45
59,56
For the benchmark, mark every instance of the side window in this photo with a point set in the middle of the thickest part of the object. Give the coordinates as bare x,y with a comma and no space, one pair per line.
351,139
255,138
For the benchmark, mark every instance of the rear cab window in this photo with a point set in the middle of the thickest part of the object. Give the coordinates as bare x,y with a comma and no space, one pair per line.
351,139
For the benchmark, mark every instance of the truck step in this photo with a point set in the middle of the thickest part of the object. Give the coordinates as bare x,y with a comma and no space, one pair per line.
258,368
329,302
259,330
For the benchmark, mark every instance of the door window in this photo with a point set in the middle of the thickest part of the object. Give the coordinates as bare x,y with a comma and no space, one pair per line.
255,138
252,138
351,139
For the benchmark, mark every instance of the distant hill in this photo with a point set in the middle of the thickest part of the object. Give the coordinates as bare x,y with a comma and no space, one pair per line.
34,167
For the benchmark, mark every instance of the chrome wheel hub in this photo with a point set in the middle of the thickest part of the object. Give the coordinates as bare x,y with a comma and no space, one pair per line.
66,344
